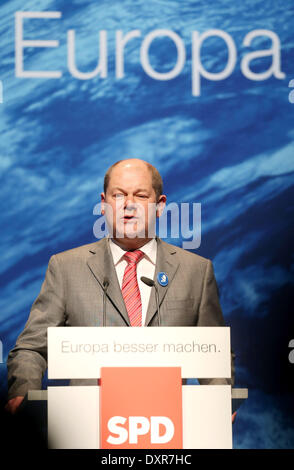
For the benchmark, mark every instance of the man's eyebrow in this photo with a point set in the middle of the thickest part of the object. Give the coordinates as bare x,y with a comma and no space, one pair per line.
117,188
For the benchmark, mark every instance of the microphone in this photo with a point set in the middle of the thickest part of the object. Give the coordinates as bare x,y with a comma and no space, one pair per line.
149,282
105,287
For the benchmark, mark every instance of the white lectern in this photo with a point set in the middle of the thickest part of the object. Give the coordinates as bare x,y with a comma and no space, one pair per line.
82,352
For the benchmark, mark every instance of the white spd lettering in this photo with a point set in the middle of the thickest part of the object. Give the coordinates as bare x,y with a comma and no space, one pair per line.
139,426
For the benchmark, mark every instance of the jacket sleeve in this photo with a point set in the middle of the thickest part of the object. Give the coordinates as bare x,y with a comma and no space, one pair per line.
210,314
27,361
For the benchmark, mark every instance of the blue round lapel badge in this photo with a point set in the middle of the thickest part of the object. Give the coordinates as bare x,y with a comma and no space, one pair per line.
162,279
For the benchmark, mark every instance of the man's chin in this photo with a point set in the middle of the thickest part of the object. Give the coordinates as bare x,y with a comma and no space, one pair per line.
130,233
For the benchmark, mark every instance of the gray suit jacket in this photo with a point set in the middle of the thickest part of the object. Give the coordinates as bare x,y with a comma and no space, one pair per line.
72,295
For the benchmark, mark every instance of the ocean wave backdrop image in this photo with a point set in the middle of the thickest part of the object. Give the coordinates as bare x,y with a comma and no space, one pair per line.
227,144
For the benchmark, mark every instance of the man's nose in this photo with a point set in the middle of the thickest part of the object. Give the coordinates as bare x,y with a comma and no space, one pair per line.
130,202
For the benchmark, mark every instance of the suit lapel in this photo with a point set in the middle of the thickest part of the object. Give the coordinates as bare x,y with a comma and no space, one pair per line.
166,262
102,266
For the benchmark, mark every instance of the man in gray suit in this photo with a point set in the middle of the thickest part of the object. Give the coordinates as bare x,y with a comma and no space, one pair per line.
72,293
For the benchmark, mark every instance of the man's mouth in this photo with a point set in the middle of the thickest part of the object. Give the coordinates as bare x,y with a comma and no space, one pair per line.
129,218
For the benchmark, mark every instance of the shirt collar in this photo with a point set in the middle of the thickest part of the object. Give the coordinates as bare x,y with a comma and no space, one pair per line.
149,250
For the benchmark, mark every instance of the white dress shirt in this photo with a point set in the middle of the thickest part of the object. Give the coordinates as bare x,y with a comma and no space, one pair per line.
145,267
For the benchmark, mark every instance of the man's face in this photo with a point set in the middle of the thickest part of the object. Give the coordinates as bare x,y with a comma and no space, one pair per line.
130,199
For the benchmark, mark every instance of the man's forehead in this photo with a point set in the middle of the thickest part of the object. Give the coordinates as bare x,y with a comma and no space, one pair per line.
124,167
131,173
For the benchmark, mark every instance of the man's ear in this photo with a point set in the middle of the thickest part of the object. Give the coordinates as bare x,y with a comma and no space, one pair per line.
160,205
102,203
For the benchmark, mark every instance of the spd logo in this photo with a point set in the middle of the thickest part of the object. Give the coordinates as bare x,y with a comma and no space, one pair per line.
141,408
139,426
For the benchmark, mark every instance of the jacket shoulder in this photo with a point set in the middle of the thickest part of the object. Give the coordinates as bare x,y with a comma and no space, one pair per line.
80,252
184,255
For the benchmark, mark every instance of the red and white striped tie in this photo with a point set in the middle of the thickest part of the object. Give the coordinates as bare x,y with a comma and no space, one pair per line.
130,289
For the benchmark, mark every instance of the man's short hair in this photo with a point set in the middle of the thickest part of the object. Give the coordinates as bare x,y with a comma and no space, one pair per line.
157,183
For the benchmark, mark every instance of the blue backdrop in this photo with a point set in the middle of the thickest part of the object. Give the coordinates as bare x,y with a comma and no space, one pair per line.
226,143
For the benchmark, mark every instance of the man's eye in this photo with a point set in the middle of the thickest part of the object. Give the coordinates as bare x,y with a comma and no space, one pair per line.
142,195
118,195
